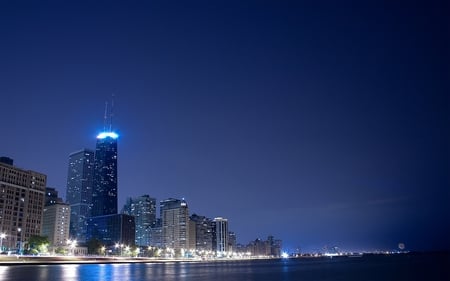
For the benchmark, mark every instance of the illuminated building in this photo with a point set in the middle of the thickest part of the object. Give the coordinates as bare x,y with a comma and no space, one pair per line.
221,227
175,224
156,234
79,191
104,193
105,224
204,233
143,209
22,198
56,221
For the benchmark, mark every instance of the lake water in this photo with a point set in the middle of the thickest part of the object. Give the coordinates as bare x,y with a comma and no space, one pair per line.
377,267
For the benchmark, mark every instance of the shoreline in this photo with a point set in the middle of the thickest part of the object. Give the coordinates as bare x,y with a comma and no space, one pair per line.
61,260
55,260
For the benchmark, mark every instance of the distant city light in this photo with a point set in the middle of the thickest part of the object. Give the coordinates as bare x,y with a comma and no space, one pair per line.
284,255
104,135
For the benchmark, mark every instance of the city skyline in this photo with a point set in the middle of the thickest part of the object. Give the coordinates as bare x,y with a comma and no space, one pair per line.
322,124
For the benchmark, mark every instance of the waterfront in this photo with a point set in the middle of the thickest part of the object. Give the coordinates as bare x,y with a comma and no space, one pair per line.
368,267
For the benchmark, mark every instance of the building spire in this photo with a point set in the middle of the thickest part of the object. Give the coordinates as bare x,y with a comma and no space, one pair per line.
107,122
105,118
111,113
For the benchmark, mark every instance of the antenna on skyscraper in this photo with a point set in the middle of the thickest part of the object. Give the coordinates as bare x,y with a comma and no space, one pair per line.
111,113
105,118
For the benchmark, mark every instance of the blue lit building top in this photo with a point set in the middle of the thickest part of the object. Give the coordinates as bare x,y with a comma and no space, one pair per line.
104,135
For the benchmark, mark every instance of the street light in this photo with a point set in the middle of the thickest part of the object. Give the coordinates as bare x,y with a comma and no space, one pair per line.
72,244
20,243
121,248
2,236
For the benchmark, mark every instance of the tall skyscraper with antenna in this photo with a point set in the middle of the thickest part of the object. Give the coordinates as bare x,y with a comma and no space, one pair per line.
105,224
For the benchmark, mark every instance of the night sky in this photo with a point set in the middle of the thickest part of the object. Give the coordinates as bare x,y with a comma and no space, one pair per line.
323,123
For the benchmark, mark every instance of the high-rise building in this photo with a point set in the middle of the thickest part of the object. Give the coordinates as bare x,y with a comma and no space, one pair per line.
105,224
79,191
204,233
175,224
143,209
55,225
275,246
56,219
221,236
22,198
104,193
192,235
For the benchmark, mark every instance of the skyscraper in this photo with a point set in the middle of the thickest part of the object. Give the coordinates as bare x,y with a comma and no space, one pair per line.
104,193
175,224
143,209
204,234
56,219
105,224
79,191
221,236
55,223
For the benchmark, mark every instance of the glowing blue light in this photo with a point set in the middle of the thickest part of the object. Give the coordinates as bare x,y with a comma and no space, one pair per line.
104,135
284,255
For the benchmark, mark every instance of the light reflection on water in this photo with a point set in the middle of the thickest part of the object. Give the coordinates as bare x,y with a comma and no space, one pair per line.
349,269
43,273
69,272
171,271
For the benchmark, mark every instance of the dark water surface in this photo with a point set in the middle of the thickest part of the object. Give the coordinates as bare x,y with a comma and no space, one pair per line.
376,267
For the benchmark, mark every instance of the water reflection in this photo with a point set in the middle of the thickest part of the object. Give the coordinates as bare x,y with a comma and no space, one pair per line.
4,271
405,268
43,273
185,271
69,272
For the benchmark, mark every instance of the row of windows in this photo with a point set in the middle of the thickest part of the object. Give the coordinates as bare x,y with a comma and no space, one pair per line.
24,178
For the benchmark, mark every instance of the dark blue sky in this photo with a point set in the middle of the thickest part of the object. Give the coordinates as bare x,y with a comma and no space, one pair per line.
323,123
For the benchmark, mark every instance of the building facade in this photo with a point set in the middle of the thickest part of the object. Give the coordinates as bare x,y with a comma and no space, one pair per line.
156,234
104,193
112,229
22,198
204,233
143,209
221,226
56,222
175,224
79,191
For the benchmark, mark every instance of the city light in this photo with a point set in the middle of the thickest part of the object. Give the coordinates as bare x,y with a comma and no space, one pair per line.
72,245
104,135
